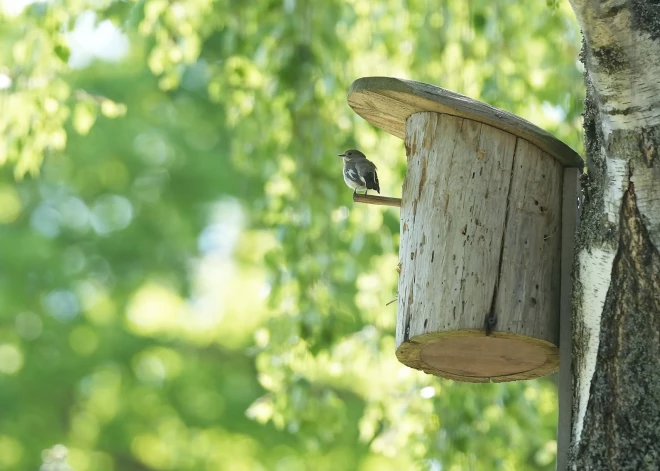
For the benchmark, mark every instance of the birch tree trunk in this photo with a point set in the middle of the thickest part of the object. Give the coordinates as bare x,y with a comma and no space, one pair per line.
616,367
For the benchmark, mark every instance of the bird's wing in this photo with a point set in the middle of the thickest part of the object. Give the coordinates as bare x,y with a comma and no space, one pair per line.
365,166
367,170
353,175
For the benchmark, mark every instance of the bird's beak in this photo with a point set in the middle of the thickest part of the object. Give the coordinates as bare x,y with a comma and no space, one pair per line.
341,155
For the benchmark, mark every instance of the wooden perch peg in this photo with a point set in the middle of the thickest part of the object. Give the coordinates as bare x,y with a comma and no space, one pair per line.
377,200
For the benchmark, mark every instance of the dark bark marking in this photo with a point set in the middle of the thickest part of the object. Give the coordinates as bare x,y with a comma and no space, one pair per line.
615,10
643,142
649,144
611,59
645,16
408,316
422,179
491,319
622,422
411,149
623,111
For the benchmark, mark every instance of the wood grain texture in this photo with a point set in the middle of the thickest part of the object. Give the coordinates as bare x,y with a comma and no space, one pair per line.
527,299
452,221
483,357
480,222
387,103
570,218
377,200
409,353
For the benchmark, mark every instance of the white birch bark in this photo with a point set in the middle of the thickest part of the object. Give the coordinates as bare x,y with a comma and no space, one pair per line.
616,406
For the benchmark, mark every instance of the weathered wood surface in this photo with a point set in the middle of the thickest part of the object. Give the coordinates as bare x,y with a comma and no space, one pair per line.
412,354
480,233
529,282
570,217
387,103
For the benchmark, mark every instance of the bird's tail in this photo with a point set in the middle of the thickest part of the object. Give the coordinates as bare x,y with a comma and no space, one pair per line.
372,183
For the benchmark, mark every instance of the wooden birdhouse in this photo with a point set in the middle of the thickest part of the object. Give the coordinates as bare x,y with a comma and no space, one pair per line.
488,211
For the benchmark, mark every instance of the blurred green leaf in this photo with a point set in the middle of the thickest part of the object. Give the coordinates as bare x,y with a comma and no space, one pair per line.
185,282
63,52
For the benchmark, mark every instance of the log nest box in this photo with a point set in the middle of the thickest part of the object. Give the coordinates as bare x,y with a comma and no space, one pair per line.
481,232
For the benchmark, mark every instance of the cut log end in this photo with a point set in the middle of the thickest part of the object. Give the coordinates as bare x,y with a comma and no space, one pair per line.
471,356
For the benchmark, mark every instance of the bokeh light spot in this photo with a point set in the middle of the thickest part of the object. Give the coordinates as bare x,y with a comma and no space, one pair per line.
11,452
62,305
83,340
28,325
11,359
111,213
10,204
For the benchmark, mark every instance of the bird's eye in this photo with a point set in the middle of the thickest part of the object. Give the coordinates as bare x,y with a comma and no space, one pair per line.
349,153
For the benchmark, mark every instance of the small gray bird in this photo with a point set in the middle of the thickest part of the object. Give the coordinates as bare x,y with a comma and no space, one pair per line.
359,173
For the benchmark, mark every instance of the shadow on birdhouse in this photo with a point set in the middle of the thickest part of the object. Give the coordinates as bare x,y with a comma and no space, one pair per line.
488,211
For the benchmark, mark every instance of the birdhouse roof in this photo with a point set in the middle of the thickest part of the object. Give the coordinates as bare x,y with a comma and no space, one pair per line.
387,103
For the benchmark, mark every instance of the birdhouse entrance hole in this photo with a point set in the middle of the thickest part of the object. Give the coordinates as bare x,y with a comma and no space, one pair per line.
481,233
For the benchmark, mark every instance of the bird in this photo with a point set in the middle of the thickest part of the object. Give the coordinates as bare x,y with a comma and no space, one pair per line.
359,172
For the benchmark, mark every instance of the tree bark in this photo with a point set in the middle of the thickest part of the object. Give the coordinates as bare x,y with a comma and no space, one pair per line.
616,336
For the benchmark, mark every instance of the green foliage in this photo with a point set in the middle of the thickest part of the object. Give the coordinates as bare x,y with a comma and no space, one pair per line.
186,284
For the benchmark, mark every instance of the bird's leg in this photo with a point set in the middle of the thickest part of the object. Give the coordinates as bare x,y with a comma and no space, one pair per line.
366,191
354,191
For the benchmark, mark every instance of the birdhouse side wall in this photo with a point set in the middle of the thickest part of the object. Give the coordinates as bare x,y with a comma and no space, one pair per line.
480,231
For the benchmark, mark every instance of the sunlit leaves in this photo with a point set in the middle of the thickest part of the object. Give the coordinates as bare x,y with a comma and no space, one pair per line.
178,29
194,272
84,116
38,100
